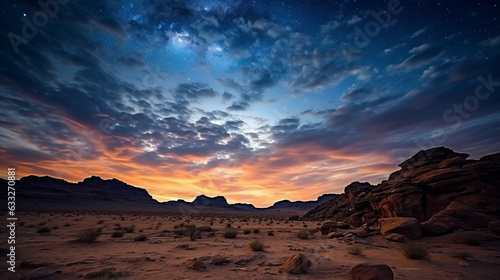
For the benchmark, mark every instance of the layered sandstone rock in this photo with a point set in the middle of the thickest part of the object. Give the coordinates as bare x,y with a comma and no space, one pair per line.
438,187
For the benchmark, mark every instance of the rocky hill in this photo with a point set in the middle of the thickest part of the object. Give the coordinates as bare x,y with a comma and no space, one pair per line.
441,189
47,194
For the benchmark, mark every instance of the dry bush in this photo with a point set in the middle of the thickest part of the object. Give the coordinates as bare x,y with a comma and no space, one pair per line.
256,245
247,231
303,234
230,233
140,238
205,229
117,234
415,251
193,232
355,250
256,230
88,235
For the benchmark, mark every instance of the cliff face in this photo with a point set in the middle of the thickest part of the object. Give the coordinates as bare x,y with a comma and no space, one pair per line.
439,187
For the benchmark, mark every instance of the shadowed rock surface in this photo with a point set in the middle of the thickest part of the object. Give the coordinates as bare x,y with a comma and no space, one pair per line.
441,189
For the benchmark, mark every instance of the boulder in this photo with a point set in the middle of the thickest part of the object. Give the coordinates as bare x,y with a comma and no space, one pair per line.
356,191
327,227
408,227
397,237
195,264
355,220
297,264
456,216
370,272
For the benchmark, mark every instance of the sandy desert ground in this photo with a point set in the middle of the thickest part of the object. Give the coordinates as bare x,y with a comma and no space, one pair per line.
54,254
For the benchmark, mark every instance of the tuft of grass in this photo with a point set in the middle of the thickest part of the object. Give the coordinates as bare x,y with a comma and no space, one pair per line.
140,238
44,230
230,233
256,245
415,251
256,230
355,250
88,235
117,234
303,234
247,231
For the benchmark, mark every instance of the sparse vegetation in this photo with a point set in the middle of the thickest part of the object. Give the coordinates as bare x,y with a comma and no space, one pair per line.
230,233
88,235
355,250
303,234
247,231
117,234
256,230
205,229
193,232
415,251
44,230
256,245
140,238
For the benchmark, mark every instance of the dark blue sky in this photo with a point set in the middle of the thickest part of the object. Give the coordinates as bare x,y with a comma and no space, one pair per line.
256,100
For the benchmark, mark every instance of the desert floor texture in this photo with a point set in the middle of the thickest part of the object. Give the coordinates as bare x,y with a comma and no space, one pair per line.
46,249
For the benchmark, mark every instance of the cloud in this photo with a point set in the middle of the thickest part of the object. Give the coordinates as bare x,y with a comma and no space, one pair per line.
194,91
422,55
491,42
354,19
418,33
239,106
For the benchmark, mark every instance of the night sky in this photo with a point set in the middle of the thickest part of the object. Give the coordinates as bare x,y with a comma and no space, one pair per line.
258,101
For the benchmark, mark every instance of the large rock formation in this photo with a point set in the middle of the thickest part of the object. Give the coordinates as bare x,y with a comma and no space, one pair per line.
438,187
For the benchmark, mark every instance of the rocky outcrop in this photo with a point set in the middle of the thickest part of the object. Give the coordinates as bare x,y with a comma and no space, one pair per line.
438,187
370,272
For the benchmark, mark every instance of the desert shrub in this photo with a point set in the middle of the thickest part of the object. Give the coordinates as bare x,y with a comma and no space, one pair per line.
229,225
130,229
193,232
415,251
355,250
303,234
247,231
230,233
44,230
100,222
205,229
181,225
176,226
256,245
88,235
117,234
140,238
179,232
256,230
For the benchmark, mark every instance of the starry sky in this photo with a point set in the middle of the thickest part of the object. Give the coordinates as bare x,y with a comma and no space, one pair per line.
258,101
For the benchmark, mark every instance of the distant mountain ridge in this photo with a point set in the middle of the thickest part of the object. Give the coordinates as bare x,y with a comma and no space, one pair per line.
95,193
